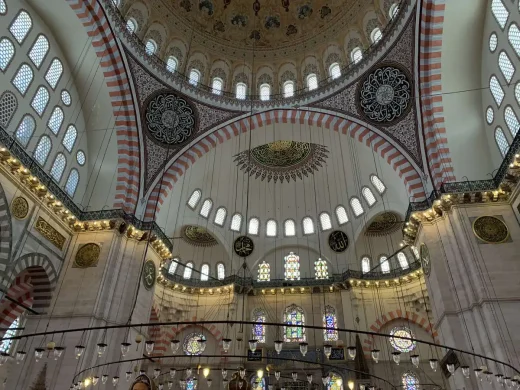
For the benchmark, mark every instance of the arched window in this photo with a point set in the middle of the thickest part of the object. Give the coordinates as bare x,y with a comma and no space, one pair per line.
6,53
21,26
220,216
54,73
514,37
3,7
394,9
171,64
271,228
493,42
501,141
188,269
258,330
415,252
410,381
506,66
517,93
292,266
376,35
378,184
206,208
365,265
150,47
265,92
369,196
56,120
42,150
321,269
254,226
330,322
236,222
308,225
293,315
58,166
217,85
25,130
312,81
194,77
131,25
341,215
70,138
264,272
194,199
403,261
116,2
39,50
289,228
325,222
490,115
240,91
511,120
221,271
500,12
496,90
72,182
173,266
40,100
356,55
23,78
356,207
5,345
204,272
288,88
334,70
385,264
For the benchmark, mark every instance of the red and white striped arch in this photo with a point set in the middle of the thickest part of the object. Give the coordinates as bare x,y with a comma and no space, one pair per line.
430,88
394,157
104,43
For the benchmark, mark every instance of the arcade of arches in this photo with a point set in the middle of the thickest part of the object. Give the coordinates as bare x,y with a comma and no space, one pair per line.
307,194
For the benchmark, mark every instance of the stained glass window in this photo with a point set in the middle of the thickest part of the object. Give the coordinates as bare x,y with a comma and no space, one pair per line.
173,266
265,92
356,55
194,199
294,316
5,345
58,166
410,381
415,252
501,140
493,42
257,383
292,266
194,77
500,12
131,25
191,344
335,382
264,272
496,90
254,226
204,272
394,9
514,37
511,120
25,130
42,150
65,97
150,47
3,7
81,158
506,66
188,269
321,270
216,85
330,322
40,100
402,345
369,196
356,206
490,115
221,271
240,91
54,73
258,329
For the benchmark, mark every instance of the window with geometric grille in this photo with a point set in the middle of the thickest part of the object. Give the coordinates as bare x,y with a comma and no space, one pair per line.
514,37
288,89
6,345
8,106
292,266
42,150
356,207
312,82
150,47
65,97
240,91
500,12
220,216
321,269
517,93
254,226
341,215
496,90
6,53
378,184
21,26
56,120
54,73
264,272
171,64
204,272
206,208
188,269
493,42
506,66
385,264
173,266
25,130
271,228
369,196
365,265
221,271
308,225
289,228
334,70
258,329
501,141
194,77
511,120
490,115
216,85
325,222
265,92
23,78
131,25
194,198
356,55
40,100
294,315
3,7
58,166
81,158
330,323
72,182
410,381
394,9
39,50
236,222
403,261
376,35
70,138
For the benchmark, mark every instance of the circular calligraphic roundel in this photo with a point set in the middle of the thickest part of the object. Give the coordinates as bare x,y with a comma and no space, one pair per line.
490,229
426,264
338,241
149,274
385,94
243,246
20,207
170,119
87,255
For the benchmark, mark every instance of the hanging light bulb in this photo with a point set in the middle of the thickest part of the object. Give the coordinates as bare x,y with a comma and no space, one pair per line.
174,345
252,345
309,378
20,356
149,345
375,355
128,375
188,372
465,371
125,348
170,384
277,375
38,353
182,384
95,380
351,352
58,351
205,372
434,363
209,382
104,378
115,380
294,375
78,350
224,373
478,373
415,360
500,379
226,344
303,348
450,367
260,373
156,373
350,385
101,349
327,350
80,384
278,344
396,356
173,371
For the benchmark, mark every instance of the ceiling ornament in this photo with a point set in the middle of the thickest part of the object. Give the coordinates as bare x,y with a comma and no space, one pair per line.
282,160
491,230
198,236
385,95
384,223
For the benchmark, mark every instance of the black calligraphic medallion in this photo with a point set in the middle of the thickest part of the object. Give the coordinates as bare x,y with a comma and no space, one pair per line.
243,246
338,241
149,274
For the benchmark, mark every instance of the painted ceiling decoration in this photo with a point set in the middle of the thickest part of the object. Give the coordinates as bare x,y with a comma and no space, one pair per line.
282,160
198,236
384,223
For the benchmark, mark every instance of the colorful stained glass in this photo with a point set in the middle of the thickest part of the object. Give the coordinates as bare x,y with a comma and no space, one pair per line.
264,272
259,328
294,316
402,345
191,384
410,381
257,384
192,346
292,266
321,269
335,382
330,322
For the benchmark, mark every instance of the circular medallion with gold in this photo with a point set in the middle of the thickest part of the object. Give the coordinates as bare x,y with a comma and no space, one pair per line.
20,207
491,230
87,256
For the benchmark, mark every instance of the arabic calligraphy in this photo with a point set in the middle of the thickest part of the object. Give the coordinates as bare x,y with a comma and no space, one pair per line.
243,246
149,274
51,234
338,241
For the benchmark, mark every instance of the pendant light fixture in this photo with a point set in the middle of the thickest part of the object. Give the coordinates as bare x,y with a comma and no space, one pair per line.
375,355
278,344
156,373
174,345
128,376
188,372
304,348
182,384
478,373
226,344
450,367
415,360
125,348
115,380
170,384
277,375
209,381
465,371
327,350
104,378
252,345
149,346
101,349
294,375
58,351
225,383
20,356
351,352
434,364
325,380
38,353
173,371
242,372
309,378
224,373
78,350
396,356
95,380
